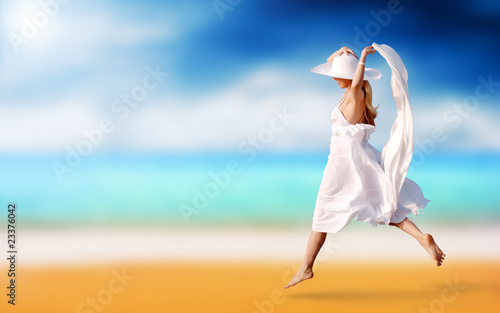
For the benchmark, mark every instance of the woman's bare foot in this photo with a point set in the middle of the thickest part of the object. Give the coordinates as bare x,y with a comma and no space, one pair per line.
430,245
302,274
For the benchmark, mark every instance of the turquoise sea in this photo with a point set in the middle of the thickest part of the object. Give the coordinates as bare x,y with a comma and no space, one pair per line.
272,189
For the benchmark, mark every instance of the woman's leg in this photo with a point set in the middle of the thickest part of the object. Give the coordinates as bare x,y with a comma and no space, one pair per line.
425,240
316,241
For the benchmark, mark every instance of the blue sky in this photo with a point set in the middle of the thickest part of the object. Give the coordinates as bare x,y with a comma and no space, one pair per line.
227,76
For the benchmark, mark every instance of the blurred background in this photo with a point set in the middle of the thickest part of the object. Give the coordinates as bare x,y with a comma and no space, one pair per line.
145,130
183,88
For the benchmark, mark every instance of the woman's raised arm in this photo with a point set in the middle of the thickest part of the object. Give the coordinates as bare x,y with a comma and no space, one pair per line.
357,80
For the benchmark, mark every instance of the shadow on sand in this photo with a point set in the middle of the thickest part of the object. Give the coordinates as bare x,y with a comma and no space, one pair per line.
367,295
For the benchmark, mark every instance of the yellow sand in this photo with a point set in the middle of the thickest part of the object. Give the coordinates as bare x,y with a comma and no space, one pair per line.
247,287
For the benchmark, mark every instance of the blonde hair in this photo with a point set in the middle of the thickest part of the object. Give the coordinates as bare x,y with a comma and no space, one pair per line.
370,112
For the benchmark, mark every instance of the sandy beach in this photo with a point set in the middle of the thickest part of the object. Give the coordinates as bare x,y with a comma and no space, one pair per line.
179,271
245,287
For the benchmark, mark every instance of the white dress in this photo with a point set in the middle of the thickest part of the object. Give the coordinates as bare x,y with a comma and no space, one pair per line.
354,183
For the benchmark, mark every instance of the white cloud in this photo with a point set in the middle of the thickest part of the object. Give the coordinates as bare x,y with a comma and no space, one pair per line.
463,128
47,127
225,118
82,37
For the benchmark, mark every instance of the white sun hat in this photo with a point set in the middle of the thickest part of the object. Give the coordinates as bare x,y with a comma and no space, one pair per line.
344,66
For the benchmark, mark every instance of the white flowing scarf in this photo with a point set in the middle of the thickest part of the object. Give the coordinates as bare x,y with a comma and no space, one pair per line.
397,152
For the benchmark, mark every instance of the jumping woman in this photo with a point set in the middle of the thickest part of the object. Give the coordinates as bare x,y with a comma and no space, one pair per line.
359,182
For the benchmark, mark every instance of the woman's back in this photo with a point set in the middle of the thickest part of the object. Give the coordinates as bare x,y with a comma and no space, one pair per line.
352,107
